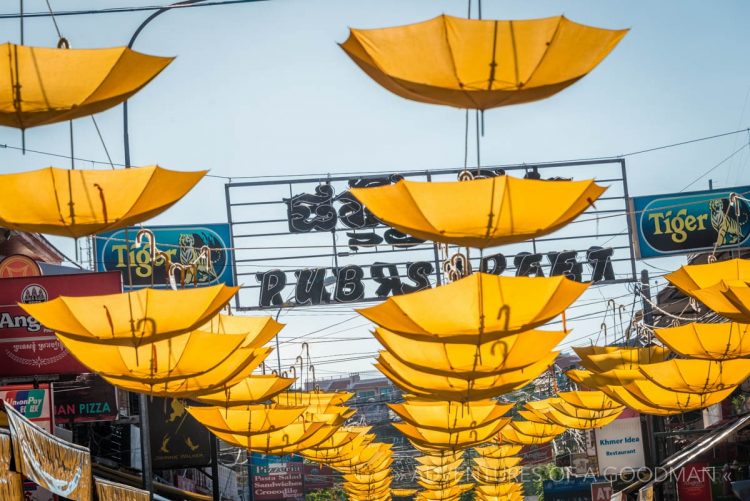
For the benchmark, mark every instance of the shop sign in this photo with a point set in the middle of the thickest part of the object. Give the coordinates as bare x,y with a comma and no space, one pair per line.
694,482
685,223
569,489
18,265
85,400
26,347
538,454
601,491
277,477
177,439
620,445
181,245
34,404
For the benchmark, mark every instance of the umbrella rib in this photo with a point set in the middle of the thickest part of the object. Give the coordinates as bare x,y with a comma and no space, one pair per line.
546,51
453,64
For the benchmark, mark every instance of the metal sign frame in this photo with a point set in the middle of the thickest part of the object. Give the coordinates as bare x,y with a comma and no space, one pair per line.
255,218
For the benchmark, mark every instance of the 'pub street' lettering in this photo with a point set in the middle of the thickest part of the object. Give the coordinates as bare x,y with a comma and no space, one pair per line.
309,288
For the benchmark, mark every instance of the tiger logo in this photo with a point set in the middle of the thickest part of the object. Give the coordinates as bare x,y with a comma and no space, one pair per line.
190,255
728,228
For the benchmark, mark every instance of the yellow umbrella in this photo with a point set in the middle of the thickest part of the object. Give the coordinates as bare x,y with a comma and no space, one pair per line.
697,376
708,341
261,329
582,413
622,395
368,479
614,377
439,459
458,389
442,495
438,472
592,400
493,357
497,463
493,476
375,489
255,420
476,309
702,276
441,485
251,390
238,367
480,64
343,437
403,493
513,496
446,415
730,299
313,399
499,490
623,358
498,451
44,85
510,435
655,396
451,440
132,317
536,429
288,440
342,453
479,213
185,355
578,422
371,457
77,203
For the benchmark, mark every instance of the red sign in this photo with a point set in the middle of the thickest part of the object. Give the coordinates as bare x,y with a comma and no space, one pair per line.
19,265
537,454
26,347
601,491
694,482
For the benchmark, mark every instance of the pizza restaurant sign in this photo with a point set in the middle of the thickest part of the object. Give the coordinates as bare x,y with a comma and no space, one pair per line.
683,223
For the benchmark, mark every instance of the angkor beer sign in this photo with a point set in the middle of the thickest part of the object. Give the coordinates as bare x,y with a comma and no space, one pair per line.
682,223
310,242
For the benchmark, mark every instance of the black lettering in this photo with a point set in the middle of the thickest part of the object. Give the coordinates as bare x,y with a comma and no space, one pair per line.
357,240
565,263
353,214
495,264
349,286
310,288
271,284
387,284
419,273
600,261
399,239
307,212
528,264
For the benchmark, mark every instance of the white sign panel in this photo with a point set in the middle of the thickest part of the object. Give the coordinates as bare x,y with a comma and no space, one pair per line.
620,445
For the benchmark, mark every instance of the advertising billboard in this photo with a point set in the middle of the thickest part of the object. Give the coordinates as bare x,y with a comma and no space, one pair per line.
177,439
277,477
182,245
84,400
683,223
35,404
26,347
620,445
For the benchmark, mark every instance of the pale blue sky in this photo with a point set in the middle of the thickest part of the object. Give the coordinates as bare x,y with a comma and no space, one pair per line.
262,88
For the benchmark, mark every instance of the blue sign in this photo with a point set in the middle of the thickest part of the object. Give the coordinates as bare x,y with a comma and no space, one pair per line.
569,489
182,247
683,223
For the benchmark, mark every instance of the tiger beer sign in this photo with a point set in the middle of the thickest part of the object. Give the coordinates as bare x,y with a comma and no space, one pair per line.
683,223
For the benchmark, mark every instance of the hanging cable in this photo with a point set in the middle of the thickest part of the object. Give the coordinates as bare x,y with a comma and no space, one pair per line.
101,139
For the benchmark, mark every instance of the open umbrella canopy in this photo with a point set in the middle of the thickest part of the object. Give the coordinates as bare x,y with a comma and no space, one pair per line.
494,476
451,440
537,429
498,451
220,378
654,395
439,459
693,277
441,495
722,341
577,421
625,397
315,400
479,213
208,359
77,203
341,453
509,435
251,390
572,411
449,416
42,85
130,318
506,354
499,489
730,299
616,377
435,387
479,308
480,64
622,358
368,479
441,472
697,376
255,420
288,440
369,458
592,400
497,463
345,436
260,330
403,493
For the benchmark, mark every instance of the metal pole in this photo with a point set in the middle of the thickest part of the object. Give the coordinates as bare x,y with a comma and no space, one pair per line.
148,479
125,134
215,468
